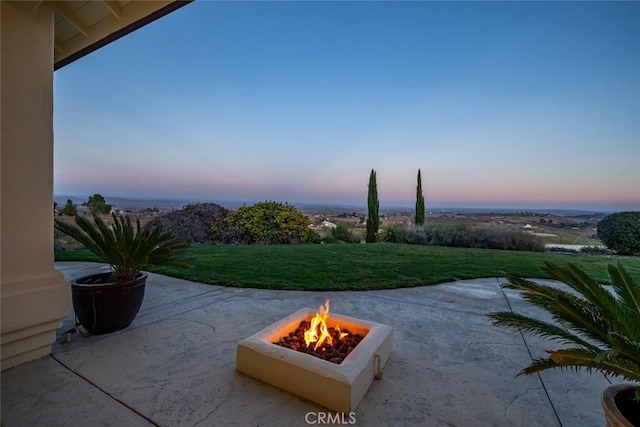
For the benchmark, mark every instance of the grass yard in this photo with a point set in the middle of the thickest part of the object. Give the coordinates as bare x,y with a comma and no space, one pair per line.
564,237
362,267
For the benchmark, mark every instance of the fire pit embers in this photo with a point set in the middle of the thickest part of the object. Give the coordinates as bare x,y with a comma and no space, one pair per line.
334,349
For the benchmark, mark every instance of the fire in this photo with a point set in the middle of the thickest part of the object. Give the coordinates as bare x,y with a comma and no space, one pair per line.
318,332
316,338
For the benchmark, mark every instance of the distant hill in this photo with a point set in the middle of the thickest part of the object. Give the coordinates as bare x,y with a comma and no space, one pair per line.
123,203
134,204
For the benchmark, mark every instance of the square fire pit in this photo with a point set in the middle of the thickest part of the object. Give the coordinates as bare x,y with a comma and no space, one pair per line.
339,387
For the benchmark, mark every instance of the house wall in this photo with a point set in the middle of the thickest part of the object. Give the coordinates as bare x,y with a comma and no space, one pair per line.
33,295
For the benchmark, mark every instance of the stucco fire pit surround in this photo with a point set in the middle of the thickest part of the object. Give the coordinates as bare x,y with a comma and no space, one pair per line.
338,387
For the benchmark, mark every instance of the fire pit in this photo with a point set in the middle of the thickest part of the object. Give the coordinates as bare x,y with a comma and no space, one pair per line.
337,385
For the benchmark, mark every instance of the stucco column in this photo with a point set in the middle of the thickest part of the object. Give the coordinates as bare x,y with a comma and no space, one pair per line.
34,297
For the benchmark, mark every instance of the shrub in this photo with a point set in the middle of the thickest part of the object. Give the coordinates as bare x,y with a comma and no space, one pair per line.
562,250
342,233
392,234
595,250
314,237
525,242
451,235
460,235
193,222
263,223
410,234
620,232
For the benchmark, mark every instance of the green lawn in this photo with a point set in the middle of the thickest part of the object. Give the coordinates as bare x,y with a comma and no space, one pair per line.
362,267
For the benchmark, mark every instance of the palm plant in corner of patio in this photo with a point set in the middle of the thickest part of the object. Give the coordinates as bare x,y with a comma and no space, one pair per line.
601,330
127,249
108,302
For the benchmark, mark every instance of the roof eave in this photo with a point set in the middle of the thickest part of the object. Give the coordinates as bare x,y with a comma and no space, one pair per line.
159,13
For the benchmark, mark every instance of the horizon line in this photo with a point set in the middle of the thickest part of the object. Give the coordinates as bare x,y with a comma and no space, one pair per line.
436,206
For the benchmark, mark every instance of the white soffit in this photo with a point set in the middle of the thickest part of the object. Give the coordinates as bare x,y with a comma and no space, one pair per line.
84,26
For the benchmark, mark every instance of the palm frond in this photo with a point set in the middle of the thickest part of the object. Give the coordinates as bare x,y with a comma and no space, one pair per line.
627,289
538,365
612,364
604,325
625,346
578,359
529,325
127,248
601,301
570,311
588,288
579,315
574,357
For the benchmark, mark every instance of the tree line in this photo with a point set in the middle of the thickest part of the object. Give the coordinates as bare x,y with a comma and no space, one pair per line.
96,205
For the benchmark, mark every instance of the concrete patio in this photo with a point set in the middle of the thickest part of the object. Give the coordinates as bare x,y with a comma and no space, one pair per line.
175,365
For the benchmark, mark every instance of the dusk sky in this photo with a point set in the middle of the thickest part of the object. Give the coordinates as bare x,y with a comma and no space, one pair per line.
500,104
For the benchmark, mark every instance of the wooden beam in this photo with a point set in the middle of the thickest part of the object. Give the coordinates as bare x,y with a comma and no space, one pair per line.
134,15
113,7
57,47
71,16
35,5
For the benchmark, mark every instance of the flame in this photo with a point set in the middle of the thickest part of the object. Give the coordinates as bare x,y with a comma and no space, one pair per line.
318,332
342,334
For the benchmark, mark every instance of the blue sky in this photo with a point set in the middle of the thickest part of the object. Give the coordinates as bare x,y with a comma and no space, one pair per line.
500,104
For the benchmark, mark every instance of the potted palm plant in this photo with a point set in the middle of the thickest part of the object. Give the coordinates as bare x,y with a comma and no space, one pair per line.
599,326
108,302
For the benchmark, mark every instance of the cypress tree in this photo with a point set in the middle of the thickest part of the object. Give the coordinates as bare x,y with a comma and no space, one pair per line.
69,209
373,220
419,202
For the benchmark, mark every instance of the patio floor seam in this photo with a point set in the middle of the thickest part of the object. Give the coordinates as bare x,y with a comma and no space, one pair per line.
526,345
97,387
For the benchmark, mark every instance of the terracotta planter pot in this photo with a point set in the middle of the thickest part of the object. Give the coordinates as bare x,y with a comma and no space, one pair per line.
620,407
102,307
